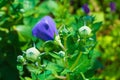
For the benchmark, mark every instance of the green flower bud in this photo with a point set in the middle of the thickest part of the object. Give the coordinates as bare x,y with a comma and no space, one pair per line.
32,54
20,59
84,31
61,53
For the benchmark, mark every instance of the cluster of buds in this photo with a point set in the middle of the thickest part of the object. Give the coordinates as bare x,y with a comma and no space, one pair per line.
46,30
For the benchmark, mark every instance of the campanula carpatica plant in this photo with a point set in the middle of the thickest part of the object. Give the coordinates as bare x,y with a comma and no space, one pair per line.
66,55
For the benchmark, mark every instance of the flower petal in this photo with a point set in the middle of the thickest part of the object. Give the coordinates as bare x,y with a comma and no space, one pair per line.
112,6
86,8
45,29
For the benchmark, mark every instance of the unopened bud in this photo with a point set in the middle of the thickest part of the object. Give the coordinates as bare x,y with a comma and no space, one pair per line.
84,31
61,53
32,54
20,59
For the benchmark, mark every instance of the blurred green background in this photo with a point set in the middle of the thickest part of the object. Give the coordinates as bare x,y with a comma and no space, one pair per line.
17,17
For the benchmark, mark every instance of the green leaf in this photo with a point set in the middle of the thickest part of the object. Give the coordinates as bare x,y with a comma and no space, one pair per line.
3,2
53,67
64,31
24,32
65,71
45,75
20,67
54,55
80,22
83,64
96,27
29,13
27,78
30,20
34,76
48,6
70,44
99,16
28,4
33,69
47,46
91,71
21,78
88,19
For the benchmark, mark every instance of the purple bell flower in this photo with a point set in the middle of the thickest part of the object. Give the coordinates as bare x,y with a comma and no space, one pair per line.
86,8
45,29
112,6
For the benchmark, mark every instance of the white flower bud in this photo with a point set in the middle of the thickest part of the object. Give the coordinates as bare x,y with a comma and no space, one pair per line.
32,54
84,31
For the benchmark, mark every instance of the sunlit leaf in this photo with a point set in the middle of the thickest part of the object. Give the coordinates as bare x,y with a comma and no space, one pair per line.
24,32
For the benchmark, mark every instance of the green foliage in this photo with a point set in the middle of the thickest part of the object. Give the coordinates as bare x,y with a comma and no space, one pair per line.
76,58
96,26
79,59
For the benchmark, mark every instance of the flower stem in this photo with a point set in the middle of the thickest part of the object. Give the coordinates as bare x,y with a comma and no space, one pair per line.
57,39
83,76
62,46
76,62
60,77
